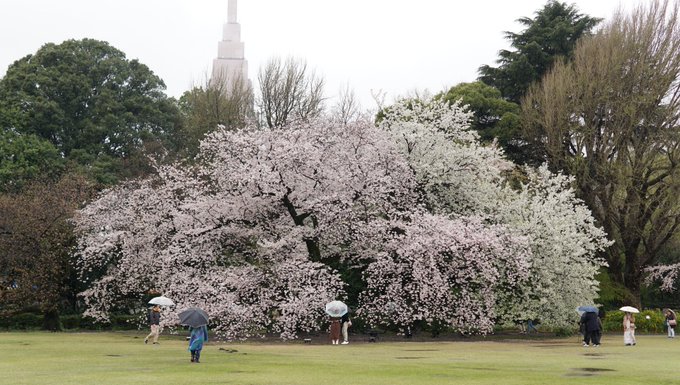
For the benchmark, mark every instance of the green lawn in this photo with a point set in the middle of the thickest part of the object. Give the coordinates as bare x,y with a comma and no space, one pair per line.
122,358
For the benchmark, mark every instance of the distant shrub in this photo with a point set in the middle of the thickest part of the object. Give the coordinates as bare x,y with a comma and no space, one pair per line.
27,321
613,322
22,321
124,322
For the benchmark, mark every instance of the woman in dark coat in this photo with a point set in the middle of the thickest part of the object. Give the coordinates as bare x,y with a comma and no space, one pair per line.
592,327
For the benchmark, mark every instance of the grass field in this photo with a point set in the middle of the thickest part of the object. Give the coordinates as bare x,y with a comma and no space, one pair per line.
39,358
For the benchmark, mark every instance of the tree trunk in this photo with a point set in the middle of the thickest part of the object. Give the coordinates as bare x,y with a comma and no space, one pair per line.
633,284
312,244
51,320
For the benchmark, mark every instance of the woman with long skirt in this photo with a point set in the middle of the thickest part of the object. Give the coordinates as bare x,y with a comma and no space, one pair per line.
629,329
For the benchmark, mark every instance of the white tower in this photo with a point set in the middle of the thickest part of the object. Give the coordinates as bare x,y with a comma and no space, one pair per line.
231,65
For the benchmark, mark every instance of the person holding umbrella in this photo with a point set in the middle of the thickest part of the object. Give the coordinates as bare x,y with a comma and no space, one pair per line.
197,320
629,325
671,322
335,330
335,309
592,328
154,318
198,336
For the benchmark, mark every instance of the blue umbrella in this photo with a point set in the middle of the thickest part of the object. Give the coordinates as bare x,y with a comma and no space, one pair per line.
587,309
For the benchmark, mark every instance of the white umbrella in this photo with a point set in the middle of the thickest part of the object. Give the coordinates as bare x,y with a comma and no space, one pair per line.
336,309
629,309
163,301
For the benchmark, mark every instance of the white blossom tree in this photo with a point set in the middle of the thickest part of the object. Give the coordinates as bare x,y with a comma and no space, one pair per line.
565,244
459,177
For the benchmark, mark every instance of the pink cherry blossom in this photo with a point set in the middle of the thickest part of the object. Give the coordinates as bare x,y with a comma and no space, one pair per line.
255,229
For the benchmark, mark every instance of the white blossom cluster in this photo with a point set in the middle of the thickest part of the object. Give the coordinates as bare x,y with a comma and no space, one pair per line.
665,275
461,178
565,244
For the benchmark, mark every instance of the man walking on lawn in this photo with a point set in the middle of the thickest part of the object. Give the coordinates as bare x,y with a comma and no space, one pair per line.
154,322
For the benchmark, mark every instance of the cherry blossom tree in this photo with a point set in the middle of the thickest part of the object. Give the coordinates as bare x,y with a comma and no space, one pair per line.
444,272
246,233
665,275
259,230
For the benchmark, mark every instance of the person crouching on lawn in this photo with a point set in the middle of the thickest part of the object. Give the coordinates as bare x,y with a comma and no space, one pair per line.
198,336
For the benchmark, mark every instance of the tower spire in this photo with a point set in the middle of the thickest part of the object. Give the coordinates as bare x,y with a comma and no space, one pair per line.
230,67
231,12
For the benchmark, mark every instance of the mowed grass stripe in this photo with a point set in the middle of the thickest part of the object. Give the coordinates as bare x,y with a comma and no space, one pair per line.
122,358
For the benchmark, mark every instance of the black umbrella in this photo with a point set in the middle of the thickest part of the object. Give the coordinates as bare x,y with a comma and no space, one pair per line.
193,317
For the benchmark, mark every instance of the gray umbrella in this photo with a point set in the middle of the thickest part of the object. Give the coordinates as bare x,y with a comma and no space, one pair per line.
194,317
587,309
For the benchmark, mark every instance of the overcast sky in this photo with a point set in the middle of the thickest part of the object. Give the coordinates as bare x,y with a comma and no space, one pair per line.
393,46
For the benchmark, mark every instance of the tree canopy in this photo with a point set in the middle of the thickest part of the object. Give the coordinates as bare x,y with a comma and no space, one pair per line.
551,34
267,224
610,118
37,246
494,117
24,158
84,96
211,105
289,92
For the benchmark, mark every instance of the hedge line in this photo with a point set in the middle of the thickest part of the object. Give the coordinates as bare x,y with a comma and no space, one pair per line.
613,322
26,321
29,321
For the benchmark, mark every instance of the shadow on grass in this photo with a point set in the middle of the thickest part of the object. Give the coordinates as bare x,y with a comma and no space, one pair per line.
587,372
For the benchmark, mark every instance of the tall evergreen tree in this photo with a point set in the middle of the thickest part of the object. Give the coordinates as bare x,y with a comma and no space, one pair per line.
551,34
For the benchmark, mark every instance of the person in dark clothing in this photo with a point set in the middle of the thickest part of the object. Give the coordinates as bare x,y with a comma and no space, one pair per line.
154,318
346,323
592,327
